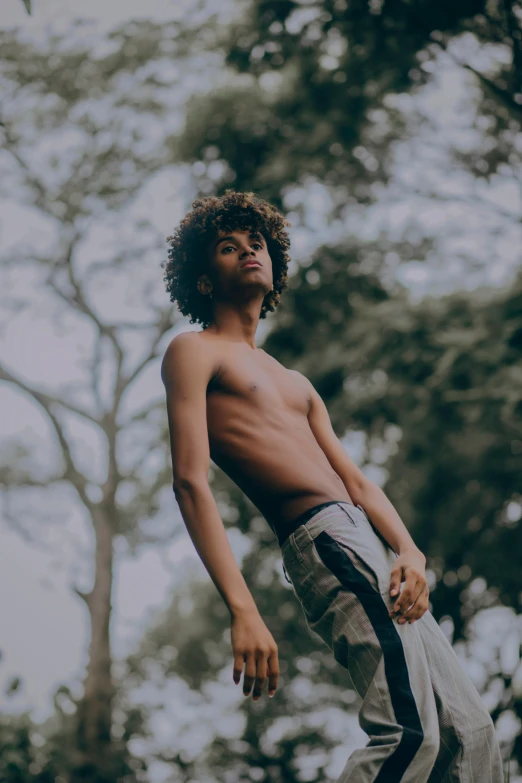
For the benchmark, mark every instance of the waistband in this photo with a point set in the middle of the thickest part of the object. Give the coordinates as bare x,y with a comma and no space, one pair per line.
289,527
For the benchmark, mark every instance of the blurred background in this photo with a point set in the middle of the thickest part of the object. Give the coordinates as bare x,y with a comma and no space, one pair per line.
389,133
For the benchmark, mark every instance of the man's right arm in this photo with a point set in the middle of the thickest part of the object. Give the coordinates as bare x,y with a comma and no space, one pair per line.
186,371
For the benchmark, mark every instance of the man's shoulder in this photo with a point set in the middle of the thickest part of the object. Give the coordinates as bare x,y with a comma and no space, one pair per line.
300,375
185,338
185,348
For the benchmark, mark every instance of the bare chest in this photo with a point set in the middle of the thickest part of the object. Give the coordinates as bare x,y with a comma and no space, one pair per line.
259,382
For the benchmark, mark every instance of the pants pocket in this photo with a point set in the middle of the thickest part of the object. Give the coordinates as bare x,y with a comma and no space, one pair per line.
299,576
359,562
367,557
352,518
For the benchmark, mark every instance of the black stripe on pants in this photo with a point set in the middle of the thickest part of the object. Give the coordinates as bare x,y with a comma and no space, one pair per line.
339,563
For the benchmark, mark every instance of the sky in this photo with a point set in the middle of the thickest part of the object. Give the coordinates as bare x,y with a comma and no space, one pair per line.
60,13
36,578
38,606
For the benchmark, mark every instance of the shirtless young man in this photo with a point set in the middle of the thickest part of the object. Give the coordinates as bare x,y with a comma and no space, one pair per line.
343,543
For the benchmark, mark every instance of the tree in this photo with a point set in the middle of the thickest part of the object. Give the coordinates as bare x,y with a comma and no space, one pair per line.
382,365
319,79
319,102
84,135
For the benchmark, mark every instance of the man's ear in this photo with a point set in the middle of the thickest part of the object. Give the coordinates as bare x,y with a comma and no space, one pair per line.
204,284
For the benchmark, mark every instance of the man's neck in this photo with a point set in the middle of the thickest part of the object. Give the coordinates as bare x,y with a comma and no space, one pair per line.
236,325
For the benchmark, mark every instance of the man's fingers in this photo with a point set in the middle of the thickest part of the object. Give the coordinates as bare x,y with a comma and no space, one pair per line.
261,674
239,660
395,580
273,673
260,666
410,590
412,602
250,673
417,608
415,612
406,597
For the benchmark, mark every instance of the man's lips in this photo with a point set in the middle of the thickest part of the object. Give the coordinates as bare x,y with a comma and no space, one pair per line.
250,263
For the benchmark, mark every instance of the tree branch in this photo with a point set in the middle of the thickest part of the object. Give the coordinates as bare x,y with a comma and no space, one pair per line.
45,399
46,402
14,523
471,199
84,596
163,324
78,301
29,178
502,95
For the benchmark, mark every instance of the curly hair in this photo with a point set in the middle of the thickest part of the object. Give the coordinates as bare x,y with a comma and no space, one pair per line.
188,251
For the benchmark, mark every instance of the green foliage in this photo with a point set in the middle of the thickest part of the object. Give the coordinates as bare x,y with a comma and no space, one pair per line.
442,377
46,752
446,373
313,102
76,129
436,385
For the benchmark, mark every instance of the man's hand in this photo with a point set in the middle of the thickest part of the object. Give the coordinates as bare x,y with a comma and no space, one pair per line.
253,643
410,567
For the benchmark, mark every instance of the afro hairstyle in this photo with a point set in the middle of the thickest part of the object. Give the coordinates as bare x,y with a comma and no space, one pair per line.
188,250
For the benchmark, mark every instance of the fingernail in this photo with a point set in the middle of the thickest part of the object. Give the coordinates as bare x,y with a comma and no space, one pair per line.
270,695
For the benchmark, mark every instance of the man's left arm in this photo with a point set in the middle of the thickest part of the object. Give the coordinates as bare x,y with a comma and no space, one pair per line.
411,563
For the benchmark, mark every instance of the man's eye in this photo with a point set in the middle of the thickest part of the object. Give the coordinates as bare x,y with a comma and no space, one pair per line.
228,247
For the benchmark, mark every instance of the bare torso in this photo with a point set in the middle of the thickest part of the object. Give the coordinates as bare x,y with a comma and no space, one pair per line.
259,434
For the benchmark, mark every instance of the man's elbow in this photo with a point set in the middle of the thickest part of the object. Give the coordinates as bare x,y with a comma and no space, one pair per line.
190,484
358,487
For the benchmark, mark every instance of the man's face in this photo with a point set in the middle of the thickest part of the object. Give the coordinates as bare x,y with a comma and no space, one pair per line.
232,255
